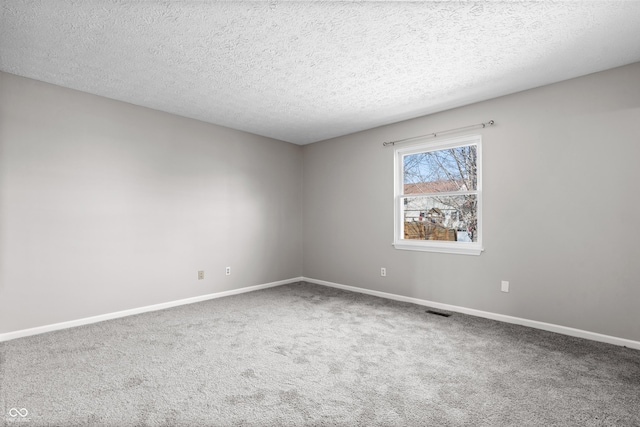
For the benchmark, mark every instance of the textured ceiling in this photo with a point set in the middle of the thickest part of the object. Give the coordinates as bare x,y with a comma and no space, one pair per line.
304,71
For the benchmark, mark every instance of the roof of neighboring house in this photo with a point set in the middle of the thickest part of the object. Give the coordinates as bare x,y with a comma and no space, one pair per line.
432,187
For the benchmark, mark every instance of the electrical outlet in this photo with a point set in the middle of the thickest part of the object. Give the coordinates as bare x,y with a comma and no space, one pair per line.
201,275
504,286
227,271
383,272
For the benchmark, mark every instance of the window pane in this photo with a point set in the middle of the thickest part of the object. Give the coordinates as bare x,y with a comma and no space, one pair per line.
452,218
451,169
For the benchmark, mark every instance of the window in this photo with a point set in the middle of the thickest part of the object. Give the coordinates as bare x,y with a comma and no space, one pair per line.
438,196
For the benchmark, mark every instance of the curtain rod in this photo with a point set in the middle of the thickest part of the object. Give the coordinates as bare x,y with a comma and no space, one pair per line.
433,135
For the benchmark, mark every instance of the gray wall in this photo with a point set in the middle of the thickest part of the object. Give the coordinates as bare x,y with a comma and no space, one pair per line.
105,206
561,208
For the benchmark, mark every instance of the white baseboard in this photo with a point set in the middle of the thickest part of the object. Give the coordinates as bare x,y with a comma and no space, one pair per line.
488,315
95,319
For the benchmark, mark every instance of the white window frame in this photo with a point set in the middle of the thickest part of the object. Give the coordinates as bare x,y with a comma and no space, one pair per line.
399,242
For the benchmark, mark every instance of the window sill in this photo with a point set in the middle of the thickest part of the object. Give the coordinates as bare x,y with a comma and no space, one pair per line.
432,246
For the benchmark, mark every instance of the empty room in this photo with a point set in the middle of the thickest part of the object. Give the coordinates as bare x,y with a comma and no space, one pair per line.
319,213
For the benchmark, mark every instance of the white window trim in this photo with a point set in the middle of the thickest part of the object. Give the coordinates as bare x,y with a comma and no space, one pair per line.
463,248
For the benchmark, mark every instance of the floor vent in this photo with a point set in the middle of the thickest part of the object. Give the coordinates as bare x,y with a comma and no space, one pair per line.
438,313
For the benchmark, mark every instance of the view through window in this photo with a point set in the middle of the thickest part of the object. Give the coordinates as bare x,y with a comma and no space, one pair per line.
438,188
